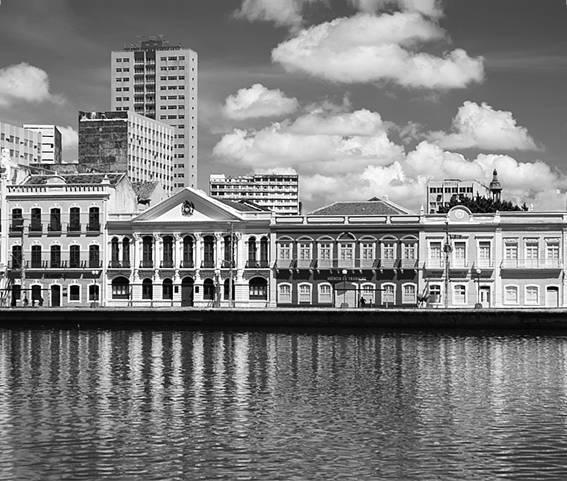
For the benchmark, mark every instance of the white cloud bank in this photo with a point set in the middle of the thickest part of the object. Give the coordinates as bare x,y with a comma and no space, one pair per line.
24,82
482,127
349,156
258,101
430,8
283,13
367,48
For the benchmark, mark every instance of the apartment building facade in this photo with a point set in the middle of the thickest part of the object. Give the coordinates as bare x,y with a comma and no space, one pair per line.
51,143
440,192
276,192
160,81
24,146
130,143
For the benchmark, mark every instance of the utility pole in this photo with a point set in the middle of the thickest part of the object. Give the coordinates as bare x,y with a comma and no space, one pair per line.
231,264
447,248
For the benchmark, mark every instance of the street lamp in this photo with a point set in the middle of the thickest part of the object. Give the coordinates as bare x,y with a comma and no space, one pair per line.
95,296
478,304
344,272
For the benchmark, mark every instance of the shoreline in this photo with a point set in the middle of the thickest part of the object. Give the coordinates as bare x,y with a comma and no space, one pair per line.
240,318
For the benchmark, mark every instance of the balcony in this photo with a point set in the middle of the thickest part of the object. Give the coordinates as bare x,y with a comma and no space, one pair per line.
531,264
284,264
388,264
434,264
16,229
54,228
147,264
408,264
95,264
93,228
119,265
74,229
167,264
208,264
305,264
261,264
228,264
36,229
187,264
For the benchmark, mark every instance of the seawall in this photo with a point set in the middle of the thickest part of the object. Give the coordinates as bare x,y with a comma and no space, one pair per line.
527,319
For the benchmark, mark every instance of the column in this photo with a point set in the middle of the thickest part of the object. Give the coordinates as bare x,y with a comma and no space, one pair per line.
197,250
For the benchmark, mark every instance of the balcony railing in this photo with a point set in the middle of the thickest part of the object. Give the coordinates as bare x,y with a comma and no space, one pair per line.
434,264
36,228
208,264
74,229
349,264
166,264
146,264
119,265
531,264
228,264
54,228
93,228
187,264
254,264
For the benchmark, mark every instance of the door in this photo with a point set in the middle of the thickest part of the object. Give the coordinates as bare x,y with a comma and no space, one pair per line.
552,296
484,296
55,296
346,295
187,292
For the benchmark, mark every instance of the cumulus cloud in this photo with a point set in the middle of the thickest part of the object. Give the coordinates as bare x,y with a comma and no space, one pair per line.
430,8
284,13
69,137
258,101
368,48
482,127
24,82
349,155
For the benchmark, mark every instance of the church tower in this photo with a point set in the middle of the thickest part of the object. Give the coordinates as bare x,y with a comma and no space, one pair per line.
495,187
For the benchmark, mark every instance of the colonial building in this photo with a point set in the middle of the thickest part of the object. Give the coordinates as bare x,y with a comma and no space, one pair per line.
53,229
506,259
347,254
190,250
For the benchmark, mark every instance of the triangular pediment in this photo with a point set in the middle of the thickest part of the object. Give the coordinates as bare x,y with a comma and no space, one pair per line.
189,206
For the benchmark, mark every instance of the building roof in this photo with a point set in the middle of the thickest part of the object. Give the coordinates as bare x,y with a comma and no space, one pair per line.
374,206
243,205
144,190
113,178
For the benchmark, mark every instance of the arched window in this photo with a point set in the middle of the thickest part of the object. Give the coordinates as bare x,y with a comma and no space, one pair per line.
226,290
167,260
511,295
209,251
264,252
388,294
148,251
368,294
325,293
209,290
74,219
284,293
36,295
93,292
147,289
409,294
36,257
114,253
94,256
16,257
35,225
54,220
167,289
304,293
17,220
228,251
120,288
258,288
55,257
126,252
74,257
252,252
94,219
188,252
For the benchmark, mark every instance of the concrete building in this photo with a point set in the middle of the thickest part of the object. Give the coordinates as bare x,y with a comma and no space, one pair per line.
276,192
127,142
160,81
24,146
440,192
51,149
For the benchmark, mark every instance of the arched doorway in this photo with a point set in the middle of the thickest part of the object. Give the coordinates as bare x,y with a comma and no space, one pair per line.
346,295
55,295
187,292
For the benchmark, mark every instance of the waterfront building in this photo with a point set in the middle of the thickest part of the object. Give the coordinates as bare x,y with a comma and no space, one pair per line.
127,142
276,192
160,81
24,146
440,192
190,250
502,260
54,237
347,254
51,149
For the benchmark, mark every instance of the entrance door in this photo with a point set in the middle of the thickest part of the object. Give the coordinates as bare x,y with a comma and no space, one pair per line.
346,295
187,292
552,296
55,296
484,296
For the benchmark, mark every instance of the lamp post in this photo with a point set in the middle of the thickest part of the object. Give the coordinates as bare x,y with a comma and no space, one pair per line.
344,272
95,296
448,249
478,304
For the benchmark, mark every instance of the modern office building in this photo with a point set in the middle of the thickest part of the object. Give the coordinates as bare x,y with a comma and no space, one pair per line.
276,192
440,192
160,81
51,149
127,142
24,146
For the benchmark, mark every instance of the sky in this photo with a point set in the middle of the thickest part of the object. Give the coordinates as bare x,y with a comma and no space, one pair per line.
362,98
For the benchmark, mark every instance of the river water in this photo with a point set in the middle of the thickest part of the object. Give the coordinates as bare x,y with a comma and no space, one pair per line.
189,405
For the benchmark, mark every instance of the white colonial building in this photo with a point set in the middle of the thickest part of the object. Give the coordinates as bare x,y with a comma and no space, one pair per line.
190,250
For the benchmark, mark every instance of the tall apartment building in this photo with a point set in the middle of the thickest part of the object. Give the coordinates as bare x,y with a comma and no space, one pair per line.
127,142
276,192
51,150
439,192
23,145
159,81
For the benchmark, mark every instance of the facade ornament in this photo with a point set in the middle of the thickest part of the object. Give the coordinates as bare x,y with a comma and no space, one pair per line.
187,208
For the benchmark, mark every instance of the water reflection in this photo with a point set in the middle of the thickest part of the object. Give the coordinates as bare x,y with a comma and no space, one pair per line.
219,405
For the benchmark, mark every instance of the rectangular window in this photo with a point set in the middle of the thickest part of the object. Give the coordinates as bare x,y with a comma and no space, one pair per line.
532,253
409,251
388,294
460,254
409,295
388,251
484,254
552,253
510,295
325,294
304,251
532,295
285,252
325,252
460,294
435,254
305,293
346,252
367,251
74,293
284,294
435,294
75,257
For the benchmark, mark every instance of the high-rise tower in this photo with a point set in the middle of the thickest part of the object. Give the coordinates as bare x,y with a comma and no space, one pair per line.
160,81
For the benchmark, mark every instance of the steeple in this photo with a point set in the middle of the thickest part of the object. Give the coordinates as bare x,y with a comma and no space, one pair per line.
495,187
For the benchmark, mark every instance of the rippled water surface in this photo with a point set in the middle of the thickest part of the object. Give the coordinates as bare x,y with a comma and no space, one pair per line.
145,405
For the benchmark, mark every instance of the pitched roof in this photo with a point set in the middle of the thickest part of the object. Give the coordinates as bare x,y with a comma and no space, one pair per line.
75,179
243,205
374,206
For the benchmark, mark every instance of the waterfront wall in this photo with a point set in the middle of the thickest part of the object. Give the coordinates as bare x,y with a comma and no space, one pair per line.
286,318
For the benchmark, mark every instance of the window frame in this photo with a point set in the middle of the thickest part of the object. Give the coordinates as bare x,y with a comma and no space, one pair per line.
289,287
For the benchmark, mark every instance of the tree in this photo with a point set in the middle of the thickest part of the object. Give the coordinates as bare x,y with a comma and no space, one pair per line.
482,205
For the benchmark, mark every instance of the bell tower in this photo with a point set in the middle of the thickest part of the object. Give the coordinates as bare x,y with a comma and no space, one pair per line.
495,187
